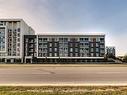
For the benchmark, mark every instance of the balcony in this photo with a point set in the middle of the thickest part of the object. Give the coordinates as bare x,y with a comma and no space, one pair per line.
31,41
101,46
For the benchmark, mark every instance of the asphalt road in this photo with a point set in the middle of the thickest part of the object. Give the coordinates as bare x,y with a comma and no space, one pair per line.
40,75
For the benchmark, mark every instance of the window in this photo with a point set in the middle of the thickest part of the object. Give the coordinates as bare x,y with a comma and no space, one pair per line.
76,44
101,43
97,44
97,39
60,39
55,39
101,39
18,44
71,49
71,54
55,54
81,39
86,39
66,55
50,49
76,54
55,44
1,22
81,44
26,39
102,51
19,40
44,54
50,44
55,49
65,49
102,46
81,49
44,45
93,39
51,39
65,39
86,44
40,40
65,44
97,49
97,54
44,49
102,54
76,49
50,54
44,39
91,44
18,29
92,55
18,34
60,54
91,49
73,39
71,44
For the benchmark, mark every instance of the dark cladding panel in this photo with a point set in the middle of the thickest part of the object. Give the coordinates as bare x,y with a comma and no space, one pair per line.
73,49
30,45
53,49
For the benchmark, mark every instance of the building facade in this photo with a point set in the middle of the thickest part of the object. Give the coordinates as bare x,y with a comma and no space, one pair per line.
64,48
110,51
12,33
18,43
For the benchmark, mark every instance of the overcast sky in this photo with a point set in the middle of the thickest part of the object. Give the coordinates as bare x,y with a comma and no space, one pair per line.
73,16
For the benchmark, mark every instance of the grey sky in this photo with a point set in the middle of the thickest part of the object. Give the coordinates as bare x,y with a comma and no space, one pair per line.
73,16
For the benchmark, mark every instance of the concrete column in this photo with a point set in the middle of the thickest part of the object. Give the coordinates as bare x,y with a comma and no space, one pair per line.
22,60
5,60
25,60
31,60
12,60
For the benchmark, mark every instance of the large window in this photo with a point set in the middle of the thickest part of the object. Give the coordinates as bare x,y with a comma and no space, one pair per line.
55,49
92,54
91,49
97,49
76,49
84,39
97,54
71,49
45,39
71,54
50,44
55,54
102,39
50,49
50,54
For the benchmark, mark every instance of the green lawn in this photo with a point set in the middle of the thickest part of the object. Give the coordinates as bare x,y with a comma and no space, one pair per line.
64,90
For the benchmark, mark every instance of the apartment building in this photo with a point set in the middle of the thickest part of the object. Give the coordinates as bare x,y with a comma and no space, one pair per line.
64,48
18,43
12,33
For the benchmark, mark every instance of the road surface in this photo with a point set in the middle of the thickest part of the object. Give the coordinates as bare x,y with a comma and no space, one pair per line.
42,75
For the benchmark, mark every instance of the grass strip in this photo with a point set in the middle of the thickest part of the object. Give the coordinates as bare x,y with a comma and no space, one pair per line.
63,90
